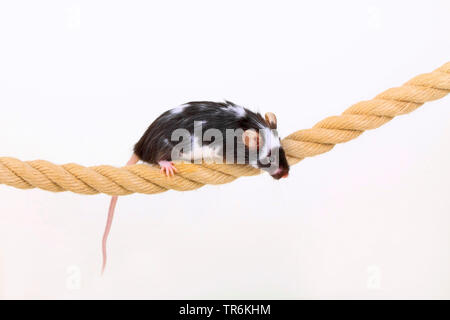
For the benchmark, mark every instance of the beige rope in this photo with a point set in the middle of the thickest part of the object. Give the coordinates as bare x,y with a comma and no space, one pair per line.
143,178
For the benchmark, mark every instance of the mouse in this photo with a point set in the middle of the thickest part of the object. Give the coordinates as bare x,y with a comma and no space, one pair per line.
206,131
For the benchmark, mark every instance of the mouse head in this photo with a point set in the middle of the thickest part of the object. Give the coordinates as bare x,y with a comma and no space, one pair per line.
270,154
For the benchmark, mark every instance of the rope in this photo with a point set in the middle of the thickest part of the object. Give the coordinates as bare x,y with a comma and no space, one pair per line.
142,178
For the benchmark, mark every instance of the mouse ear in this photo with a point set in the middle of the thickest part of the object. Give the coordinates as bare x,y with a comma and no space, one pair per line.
271,120
251,139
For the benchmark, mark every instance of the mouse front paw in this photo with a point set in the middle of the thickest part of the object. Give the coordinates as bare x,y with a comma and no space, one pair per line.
167,168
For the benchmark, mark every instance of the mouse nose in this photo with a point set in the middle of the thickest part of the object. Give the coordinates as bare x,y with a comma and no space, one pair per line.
279,174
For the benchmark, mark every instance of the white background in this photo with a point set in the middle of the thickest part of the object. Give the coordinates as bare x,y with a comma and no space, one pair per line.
80,81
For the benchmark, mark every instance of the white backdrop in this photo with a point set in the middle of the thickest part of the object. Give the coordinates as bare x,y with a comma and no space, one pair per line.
80,81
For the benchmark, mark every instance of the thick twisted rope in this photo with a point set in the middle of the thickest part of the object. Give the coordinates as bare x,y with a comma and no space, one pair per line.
143,178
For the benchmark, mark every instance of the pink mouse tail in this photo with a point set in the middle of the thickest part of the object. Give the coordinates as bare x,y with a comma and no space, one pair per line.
133,160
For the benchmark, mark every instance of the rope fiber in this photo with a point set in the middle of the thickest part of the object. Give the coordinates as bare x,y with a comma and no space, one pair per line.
142,178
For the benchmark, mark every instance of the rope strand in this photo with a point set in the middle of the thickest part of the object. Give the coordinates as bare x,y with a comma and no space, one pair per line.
143,178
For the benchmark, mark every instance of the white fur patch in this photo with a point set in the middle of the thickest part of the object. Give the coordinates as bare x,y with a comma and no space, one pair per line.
200,152
236,110
271,141
178,109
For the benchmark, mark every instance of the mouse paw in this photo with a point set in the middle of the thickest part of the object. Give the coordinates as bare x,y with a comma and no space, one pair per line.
167,168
